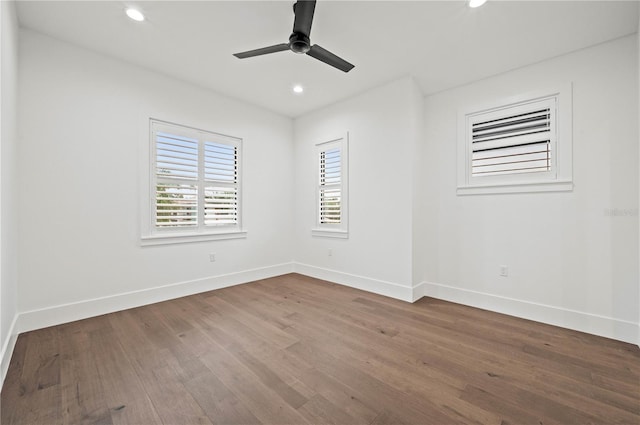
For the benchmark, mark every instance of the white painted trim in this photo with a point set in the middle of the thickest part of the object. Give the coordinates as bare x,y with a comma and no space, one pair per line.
380,287
550,186
326,233
166,239
333,230
638,124
51,316
595,324
562,142
150,235
418,291
7,349
571,319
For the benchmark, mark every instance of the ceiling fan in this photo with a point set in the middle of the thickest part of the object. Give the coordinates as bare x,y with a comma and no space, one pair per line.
299,40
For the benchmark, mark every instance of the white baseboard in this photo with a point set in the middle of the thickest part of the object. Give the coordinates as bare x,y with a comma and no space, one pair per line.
380,287
55,315
7,349
418,292
51,316
608,327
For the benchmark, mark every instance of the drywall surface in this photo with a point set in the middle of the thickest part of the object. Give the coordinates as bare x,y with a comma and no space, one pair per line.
84,128
383,136
570,254
420,203
8,181
83,122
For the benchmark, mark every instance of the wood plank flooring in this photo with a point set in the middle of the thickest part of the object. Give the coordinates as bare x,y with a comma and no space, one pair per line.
296,350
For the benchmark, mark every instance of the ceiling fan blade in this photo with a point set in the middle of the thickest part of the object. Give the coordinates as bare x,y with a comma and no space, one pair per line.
303,10
329,58
263,51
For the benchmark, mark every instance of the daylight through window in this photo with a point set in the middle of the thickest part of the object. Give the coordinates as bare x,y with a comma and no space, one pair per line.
196,179
330,170
331,207
522,144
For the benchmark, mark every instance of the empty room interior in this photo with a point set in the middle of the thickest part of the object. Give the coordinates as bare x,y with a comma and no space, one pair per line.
331,212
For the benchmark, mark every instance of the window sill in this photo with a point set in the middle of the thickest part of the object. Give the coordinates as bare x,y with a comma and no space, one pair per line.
325,233
168,239
552,186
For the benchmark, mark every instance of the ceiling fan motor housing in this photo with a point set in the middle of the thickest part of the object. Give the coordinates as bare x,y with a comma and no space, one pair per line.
299,43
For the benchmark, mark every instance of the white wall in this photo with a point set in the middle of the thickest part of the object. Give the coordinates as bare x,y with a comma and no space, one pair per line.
419,202
8,180
571,262
82,119
383,126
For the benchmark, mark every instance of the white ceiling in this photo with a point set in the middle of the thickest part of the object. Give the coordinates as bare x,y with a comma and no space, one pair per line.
442,44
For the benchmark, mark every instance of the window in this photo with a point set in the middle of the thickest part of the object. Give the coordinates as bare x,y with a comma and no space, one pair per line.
194,185
331,191
522,145
330,186
520,142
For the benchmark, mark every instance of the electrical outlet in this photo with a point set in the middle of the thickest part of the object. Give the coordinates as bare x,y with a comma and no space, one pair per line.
212,257
504,271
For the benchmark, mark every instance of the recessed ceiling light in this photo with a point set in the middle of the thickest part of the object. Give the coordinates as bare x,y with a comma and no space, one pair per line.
476,3
298,88
135,14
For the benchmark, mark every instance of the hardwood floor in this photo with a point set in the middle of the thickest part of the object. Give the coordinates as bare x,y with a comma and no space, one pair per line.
296,350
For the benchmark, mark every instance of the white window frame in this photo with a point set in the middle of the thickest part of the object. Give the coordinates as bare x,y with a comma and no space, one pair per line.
333,230
153,235
560,175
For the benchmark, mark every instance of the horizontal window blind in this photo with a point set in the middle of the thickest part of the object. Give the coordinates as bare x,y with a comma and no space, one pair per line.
220,166
220,162
220,206
330,186
330,206
196,178
176,205
330,167
518,144
513,141
176,156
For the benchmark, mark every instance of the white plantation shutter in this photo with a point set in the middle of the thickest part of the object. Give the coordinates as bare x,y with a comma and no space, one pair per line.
516,140
176,163
220,206
195,177
176,205
220,162
330,186
176,156
221,168
519,144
